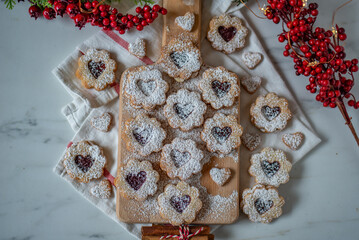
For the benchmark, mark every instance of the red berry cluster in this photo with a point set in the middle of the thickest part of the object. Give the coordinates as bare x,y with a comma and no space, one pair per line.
101,15
316,52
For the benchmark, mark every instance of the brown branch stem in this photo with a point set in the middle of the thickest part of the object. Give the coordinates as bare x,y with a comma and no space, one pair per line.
345,114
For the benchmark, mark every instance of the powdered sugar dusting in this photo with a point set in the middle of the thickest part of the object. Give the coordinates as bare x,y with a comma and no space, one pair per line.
138,48
220,176
293,140
102,122
102,190
251,59
251,140
186,22
251,83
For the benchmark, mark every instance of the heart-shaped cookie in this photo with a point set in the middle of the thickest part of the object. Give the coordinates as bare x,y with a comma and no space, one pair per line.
102,190
186,22
293,140
220,175
138,48
251,140
251,84
102,122
251,59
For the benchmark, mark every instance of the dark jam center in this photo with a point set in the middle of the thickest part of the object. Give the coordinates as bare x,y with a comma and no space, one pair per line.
227,33
183,110
180,158
270,113
179,58
136,180
220,89
96,68
221,134
270,169
142,135
180,203
84,163
146,87
263,206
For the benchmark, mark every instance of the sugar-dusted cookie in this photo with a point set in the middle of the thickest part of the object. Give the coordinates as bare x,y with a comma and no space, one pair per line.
138,48
184,110
222,133
262,203
181,158
270,167
219,87
96,69
102,190
84,161
145,87
251,140
220,175
179,204
102,122
143,135
251,59
293,140
180,59
137,180
251,84
186,22
226,33
270,113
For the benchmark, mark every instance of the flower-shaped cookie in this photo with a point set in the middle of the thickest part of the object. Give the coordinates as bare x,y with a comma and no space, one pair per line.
270,113
96,69
84,161
137,180
226,33
219,87
184,110
181,158
179,204
143,135
145,87
270,167
222,133
262,203
180,59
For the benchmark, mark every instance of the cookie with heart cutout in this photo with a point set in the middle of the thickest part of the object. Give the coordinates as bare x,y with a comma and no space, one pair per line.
293,140
226,33
102,190
184,110
143,135
96,69
179,204
270,113
145,87
84,161
222,133
270,167
186,22
219,87
251,59
137,180
103,122
262,203
180,59
138,48
181,159
220,175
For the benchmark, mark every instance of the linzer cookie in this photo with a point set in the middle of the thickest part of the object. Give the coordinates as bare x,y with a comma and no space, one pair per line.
180,59
102,190
220,175
145,87
179,204
138,48
181,159
270,113
251,59
227,33
143,135
270,167
102,122
219,87
262,203
186,22
84,161
184,110
137,180
221,133
293,140
96,69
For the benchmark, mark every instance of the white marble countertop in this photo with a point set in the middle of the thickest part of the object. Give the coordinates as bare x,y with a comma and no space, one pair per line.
321,198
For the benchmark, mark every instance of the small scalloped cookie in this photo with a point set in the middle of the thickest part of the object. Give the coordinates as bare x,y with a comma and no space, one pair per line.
293,140
103,122
184,110
181,159
262,203
102,190
251,83
179,204
137,180
143,135
220,175
222,133
84,161
251,59
270,113
219,87
226,33
180,59
96,69
138,48
185,22
270,167
145,87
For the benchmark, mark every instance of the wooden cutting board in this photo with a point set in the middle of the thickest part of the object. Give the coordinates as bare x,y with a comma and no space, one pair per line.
220,204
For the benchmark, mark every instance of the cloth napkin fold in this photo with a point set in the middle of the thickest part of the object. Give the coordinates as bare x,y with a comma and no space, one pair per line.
89,103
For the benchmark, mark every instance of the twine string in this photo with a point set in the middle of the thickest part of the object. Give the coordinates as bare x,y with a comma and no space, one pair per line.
184,233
